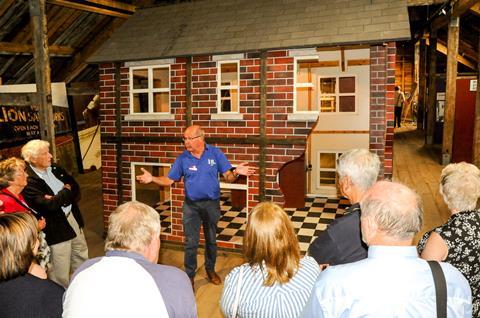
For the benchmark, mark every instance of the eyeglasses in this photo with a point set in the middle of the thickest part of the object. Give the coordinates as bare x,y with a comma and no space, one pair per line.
190,138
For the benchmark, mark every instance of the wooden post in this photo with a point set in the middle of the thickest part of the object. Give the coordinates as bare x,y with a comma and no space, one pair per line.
432,90
188,92
451,89
476,134
422,84
263,119
42,72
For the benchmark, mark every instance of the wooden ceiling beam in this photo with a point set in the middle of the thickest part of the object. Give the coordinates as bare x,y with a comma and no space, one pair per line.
4,5
442,48
459,8
78,62
104,7
16,48
475,9
415,3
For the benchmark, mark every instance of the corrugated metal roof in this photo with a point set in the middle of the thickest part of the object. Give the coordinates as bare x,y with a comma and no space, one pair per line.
228,26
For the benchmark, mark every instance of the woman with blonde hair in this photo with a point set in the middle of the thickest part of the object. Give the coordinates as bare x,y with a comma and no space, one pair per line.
24,289
458,241
275,282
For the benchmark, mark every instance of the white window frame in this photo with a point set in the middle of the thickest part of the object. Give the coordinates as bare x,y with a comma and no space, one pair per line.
220,86
150,115
338,94
133,164
300,85
320,169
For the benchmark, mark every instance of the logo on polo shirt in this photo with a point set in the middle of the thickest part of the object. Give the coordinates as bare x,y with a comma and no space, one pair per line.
211,162
193,168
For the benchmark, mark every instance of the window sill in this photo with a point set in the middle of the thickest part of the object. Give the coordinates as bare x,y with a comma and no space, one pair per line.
232,116
302,117
149,117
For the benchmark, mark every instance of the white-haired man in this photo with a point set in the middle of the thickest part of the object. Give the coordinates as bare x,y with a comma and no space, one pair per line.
341,242
127,281
392,281
54,194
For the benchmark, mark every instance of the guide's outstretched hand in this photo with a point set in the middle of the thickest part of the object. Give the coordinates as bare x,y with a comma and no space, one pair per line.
146,177
244,169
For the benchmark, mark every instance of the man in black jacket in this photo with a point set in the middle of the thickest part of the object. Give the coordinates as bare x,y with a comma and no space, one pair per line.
341,242
54,193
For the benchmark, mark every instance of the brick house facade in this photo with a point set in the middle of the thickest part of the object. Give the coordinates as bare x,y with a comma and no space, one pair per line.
126,141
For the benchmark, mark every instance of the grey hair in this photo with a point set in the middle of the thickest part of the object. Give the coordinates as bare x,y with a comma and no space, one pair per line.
395,208
31,149
132,226
460,186
361,166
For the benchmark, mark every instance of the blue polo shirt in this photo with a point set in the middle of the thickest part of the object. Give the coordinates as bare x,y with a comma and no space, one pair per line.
200,176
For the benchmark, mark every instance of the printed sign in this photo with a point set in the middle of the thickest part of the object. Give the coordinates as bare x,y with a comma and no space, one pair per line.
20,123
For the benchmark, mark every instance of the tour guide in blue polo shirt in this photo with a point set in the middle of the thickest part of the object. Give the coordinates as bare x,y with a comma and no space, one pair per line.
199,166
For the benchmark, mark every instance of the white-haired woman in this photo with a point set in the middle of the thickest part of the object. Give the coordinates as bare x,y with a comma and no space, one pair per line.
458,241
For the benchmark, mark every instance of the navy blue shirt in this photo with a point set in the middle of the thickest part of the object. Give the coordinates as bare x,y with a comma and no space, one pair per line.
200,176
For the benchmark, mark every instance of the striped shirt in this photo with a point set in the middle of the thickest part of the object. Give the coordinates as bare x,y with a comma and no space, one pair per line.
257,300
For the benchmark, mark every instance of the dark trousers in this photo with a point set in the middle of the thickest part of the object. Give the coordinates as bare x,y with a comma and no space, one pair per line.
196,213
398,117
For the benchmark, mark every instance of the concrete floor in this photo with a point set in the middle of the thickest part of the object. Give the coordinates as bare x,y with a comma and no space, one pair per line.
414,165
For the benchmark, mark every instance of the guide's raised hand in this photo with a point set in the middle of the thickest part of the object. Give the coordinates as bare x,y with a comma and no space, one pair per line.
244,169
145,178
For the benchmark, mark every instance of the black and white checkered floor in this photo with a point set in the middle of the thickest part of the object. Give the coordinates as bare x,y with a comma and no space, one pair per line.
308,221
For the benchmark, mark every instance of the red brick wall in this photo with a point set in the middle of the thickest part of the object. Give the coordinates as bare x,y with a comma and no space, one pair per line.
280,77
382,84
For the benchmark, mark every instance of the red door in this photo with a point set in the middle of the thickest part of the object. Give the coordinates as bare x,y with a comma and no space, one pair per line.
464,121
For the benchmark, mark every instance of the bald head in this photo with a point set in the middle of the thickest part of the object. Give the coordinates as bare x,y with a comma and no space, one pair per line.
393,209
194,130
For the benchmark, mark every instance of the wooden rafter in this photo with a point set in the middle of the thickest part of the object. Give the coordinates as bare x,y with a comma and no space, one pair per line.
78,61
476,9
15,48
104,7
459,8
4,5
443,49
414,3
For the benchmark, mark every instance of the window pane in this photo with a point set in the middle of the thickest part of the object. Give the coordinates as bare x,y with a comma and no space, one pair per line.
346,84
140,79
327,85
234,100
347,103
327,160
327,104
229,74
327,178
305,99
226,105
160,102
304,71
140,102
161,78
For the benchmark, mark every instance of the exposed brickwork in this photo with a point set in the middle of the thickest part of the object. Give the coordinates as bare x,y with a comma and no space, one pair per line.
382,84
280,86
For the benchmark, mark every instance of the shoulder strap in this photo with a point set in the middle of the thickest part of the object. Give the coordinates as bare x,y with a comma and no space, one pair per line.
20,202
237,293
440,288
